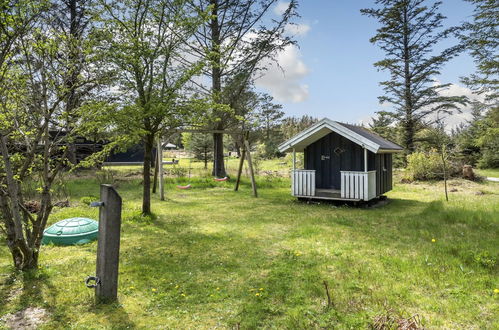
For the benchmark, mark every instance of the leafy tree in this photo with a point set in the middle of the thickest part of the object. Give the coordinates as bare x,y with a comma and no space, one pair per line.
146,40
482,40
234,42
41,89
409,32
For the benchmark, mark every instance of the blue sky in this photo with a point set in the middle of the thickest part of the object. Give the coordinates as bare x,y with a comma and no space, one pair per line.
332,74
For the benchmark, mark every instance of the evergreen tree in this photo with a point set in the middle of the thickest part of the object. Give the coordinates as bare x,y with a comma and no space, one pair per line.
410,29
482,40
200,144
384,125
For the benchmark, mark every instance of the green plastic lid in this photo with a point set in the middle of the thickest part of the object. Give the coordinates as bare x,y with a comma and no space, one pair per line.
71,231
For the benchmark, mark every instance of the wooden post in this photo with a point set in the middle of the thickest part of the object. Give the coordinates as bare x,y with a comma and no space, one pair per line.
294,159
250,165
240,168
108,248
365,160
160,166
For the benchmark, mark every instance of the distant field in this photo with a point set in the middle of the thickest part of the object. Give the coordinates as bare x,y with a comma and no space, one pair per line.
214,258
492,172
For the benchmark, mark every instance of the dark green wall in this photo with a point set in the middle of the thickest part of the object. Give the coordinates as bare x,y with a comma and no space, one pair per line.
320,156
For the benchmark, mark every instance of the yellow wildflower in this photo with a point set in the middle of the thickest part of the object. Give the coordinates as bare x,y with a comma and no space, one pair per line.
218,289
153,290
257,294
182,294
433,240
261,289
496,290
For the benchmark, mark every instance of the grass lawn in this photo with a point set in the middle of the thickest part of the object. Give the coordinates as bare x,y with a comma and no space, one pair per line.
491,172
214,258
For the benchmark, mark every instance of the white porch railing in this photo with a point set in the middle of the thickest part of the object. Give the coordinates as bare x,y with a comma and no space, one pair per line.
358,185
303,182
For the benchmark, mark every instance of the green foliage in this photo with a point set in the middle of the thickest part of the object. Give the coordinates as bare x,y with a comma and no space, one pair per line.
409,32
481,39
177,171
428,165
88,199
485,259
200,145
478,142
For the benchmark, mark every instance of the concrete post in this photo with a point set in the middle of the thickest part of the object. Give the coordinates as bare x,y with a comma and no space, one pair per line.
108,248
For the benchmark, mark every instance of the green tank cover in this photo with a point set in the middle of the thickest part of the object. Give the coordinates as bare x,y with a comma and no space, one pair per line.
71,231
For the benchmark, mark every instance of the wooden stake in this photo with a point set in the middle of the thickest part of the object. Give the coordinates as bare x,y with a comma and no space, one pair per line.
444,165
240,168
160,168
250,165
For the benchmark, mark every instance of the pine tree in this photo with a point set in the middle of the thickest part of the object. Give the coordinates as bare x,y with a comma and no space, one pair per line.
482,40
410,29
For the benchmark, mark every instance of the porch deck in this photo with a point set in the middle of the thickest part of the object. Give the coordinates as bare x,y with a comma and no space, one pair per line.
329,194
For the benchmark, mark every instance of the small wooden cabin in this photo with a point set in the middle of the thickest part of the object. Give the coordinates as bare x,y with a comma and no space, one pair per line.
341,162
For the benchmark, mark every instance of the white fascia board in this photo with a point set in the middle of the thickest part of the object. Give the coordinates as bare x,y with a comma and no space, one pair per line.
352,136
334,127
288,145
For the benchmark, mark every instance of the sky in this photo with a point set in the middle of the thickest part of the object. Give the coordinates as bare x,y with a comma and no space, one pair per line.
331,73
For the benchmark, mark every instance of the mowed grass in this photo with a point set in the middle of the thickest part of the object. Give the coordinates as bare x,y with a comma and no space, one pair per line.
215,258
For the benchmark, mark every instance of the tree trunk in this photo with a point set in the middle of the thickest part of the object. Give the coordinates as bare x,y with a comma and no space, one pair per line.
409,129
216,80
146,196
156,172
218,155
205,158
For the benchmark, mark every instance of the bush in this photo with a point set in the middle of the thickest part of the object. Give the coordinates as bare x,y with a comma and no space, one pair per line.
88,199
177,171
428,166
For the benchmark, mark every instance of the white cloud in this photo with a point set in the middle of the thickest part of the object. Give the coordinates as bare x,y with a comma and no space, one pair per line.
297,29
456,118
281,7
283,81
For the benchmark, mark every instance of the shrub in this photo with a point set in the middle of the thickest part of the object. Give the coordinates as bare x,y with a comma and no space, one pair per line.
428,166
177,171
88,199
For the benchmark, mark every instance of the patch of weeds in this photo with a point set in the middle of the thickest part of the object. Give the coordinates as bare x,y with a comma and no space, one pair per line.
140,218
88,199
484,259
